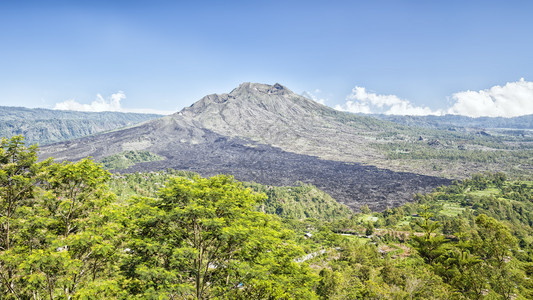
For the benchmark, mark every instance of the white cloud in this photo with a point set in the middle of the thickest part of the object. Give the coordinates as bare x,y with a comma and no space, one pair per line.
313,97
511,100
110,104
100,104
361,101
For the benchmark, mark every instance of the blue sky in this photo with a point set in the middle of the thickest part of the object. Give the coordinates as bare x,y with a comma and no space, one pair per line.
165,55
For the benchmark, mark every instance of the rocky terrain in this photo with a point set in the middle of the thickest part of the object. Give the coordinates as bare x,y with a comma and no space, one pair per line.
261,133
276,116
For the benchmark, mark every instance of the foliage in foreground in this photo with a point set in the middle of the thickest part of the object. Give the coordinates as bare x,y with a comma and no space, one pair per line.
65,235
203,238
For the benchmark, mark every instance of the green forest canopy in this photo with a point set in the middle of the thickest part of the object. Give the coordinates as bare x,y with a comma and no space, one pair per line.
65,234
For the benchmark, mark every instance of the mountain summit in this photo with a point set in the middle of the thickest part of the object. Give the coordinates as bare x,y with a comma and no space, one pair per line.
274,115
251,98
262,133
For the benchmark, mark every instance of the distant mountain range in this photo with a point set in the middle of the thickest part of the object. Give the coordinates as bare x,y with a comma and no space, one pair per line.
45,126
454,121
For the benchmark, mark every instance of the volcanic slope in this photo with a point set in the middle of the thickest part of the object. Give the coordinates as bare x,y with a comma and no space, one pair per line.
274,115
188,141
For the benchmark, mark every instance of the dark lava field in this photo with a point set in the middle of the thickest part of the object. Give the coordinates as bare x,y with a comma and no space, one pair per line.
349,183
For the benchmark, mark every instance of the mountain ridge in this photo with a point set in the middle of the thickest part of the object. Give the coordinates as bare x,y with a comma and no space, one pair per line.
45,126
516,123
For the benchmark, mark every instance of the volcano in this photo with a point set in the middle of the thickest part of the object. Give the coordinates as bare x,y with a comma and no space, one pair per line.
266,134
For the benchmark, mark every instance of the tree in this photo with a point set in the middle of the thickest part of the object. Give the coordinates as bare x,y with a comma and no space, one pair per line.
369,228
462,269
496,240
429,246
365,210
76,190
494,247
83,226
18,174
56,234
203,237
330,283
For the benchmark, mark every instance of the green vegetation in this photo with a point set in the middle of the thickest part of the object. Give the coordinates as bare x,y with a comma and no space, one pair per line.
145,184
75,231
471,240
203,238
447,151
60,230
127,159
300,202
451,152
63,235
296,202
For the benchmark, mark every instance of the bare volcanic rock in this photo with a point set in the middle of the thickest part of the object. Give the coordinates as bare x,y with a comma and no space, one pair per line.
274,115
222,134
349,183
